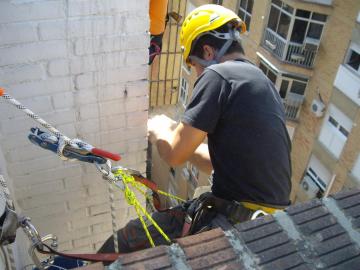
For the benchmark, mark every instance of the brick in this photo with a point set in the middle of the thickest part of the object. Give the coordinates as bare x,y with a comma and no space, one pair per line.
79,223
260,232
310,215
288,262
111,44
276,252
102,227
41,87
86,96
112,122
147,254
88,126
317,225
299,208
137,57
340,256
58,67
89,111
346,194
47,198
349,201
100,209
63,100
96,26
200,238
97,7
128,105
268,242
38,104
207,262
15,12
329,232
84,81
332,244
250,225
136,118
25,153
206,248
14,33
21,73
32,52
135,23
38,189
51,30
105,61
126,74
47,210
34,165
47,175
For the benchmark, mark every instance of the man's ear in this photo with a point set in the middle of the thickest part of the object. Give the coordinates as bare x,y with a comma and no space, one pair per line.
209,53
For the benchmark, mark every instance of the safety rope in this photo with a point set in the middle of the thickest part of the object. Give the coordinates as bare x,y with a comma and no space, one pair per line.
119,177
63,140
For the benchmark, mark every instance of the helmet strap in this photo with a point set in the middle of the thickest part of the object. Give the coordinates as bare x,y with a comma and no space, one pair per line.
230,37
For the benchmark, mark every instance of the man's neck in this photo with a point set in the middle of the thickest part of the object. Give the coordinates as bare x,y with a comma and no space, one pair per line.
231,56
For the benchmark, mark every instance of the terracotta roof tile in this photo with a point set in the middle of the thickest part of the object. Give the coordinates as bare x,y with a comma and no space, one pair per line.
319,234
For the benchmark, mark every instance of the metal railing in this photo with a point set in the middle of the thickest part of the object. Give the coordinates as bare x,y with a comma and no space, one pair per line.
292,104
289,52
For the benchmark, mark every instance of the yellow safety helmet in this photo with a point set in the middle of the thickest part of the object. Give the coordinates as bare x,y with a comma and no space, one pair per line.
204,19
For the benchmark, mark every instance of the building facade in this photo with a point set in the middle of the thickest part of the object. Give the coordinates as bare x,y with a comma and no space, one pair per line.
310,50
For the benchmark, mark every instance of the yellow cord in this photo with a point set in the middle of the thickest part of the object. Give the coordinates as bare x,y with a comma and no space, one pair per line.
132,200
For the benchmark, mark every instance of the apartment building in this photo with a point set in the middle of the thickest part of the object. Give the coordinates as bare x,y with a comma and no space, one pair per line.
310,50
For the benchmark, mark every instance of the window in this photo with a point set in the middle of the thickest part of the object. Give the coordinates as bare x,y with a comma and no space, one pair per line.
217,2
280,17
184,88
335,131
319,174
353,57
268,72
292,85
355,172
245,11
307,25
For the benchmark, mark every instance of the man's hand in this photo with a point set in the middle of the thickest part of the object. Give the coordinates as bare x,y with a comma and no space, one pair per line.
160,126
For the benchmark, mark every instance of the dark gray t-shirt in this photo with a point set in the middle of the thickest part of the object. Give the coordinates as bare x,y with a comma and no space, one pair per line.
240,109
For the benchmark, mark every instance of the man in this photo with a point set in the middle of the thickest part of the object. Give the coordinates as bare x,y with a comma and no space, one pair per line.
240,112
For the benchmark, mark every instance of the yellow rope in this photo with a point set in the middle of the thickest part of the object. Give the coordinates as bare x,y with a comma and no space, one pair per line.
132,200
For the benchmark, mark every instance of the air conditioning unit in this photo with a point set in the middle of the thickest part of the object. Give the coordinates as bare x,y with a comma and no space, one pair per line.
271,45
309,187
317,107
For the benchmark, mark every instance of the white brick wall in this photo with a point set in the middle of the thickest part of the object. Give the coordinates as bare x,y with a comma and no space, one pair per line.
82,66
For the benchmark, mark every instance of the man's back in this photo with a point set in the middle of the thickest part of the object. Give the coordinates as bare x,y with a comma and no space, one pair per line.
242,113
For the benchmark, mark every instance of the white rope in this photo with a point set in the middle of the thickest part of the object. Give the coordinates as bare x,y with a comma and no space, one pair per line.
113,217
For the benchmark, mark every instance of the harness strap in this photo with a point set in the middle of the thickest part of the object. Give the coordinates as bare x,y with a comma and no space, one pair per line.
266,208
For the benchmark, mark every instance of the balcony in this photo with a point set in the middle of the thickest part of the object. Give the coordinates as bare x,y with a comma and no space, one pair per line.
290,52
348,82
292,104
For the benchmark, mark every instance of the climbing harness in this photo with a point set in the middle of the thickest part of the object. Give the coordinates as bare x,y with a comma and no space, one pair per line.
119,177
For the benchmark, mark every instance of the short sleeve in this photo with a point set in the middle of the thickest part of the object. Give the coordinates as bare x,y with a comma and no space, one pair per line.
207,101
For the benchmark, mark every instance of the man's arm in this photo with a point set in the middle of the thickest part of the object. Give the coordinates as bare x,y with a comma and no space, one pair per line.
181,144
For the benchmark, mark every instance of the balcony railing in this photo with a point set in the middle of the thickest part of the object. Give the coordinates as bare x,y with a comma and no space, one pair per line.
292,104
293,53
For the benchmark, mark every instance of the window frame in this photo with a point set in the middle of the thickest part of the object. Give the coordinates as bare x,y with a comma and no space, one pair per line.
352,48
355,170
293,17
247,14
330,134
